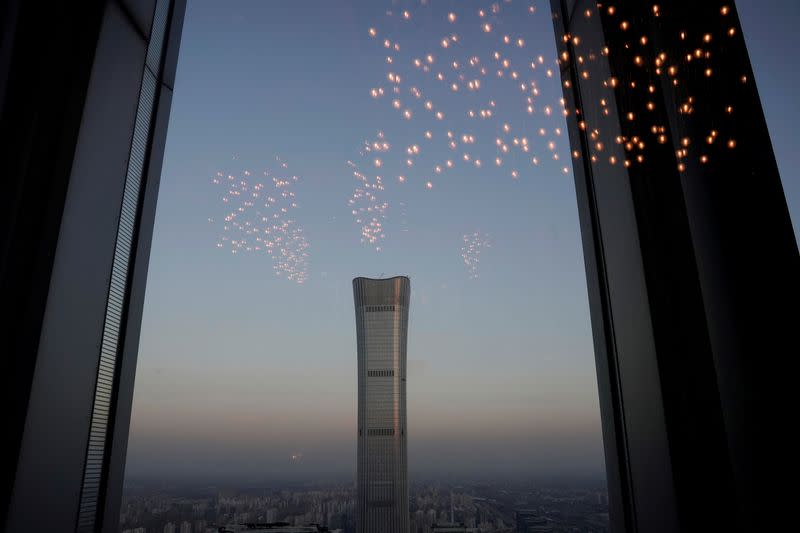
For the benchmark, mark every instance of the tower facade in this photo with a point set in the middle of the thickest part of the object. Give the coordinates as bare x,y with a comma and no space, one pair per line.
382,335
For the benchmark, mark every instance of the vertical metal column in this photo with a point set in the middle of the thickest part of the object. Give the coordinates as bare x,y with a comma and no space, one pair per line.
85,94
97,451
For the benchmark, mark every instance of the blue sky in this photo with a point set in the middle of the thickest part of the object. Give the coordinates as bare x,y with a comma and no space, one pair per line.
240,368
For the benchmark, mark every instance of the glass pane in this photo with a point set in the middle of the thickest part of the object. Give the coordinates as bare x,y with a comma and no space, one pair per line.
313,142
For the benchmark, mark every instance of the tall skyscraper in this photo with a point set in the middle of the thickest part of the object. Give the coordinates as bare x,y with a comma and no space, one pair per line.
382,335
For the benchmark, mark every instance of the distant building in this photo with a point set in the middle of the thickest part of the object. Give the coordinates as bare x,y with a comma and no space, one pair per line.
382,334
453,528
531,521
274,527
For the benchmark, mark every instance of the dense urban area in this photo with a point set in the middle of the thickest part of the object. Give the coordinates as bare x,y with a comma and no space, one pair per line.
469,507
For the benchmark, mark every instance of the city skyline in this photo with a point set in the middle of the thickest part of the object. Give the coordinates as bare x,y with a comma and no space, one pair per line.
219,215
489,508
